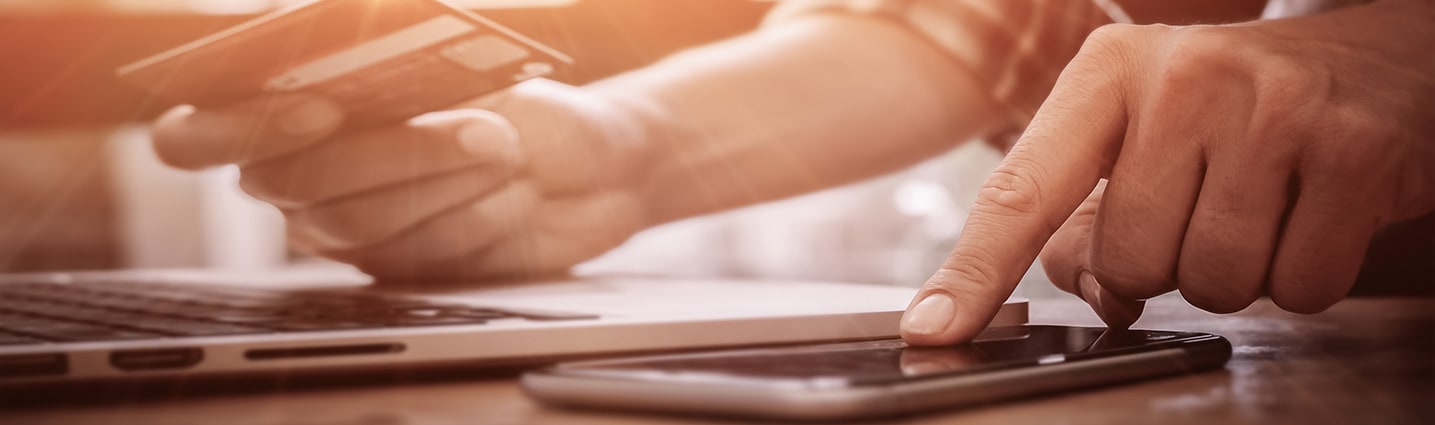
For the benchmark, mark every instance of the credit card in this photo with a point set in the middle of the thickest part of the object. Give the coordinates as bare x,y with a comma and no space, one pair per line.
383,60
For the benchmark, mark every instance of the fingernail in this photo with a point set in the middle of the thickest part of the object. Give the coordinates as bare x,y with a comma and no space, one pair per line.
1087,288
309,116
1090,291
479,132
930,316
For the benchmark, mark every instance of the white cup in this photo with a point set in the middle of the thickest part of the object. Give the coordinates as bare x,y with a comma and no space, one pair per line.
170,218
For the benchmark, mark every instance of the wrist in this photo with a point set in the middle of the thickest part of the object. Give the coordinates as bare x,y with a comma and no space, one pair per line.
654,133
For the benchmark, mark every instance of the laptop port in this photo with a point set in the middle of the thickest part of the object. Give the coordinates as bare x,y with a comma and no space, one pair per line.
28,365
167,358
322,351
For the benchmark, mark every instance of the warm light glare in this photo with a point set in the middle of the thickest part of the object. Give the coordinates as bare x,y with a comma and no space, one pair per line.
224,7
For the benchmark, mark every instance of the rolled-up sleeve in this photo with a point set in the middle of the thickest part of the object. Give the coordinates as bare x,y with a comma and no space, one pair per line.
1016,47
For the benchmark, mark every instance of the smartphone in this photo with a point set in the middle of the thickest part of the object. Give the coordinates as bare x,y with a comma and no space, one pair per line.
877,378
383,60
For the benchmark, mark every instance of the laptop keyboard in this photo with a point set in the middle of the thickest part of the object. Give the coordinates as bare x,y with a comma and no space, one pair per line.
32,313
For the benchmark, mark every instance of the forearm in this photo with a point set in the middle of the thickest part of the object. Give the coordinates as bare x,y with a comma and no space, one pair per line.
1209,12
790,109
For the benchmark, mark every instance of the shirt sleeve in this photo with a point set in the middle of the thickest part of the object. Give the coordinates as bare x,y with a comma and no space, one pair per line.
1016,47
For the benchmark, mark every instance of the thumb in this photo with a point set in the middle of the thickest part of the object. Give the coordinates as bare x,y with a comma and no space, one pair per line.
483,134
1067,260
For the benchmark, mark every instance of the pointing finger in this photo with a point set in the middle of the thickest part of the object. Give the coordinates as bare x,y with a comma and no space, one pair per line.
1068,147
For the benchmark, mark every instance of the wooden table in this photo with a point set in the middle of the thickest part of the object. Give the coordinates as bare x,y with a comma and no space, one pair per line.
1365,361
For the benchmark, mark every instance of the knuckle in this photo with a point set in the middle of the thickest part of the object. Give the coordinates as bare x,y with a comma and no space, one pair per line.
1285,86
1191,53
1112,40
1285,82
1109,49
1012,189
1356,147
1193,58
1195,63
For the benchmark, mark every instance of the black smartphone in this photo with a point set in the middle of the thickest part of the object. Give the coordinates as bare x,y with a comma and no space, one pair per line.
877,378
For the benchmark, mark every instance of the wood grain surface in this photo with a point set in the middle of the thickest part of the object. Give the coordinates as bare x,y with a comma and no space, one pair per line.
1367,361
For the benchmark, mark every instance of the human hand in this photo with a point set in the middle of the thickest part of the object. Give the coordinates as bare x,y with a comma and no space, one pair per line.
539,179
1238,161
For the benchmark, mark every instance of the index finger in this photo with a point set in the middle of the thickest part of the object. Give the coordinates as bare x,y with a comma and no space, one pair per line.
249,131
1068,147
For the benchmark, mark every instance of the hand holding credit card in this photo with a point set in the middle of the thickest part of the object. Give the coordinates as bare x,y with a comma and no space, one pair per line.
357,120
383,60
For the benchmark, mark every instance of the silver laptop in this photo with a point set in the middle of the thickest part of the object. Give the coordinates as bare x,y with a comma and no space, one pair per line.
103,326
71,327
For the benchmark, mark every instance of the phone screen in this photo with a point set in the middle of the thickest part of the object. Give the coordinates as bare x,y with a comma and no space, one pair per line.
887,361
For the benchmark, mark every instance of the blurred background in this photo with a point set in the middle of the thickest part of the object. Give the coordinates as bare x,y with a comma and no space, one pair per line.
80,188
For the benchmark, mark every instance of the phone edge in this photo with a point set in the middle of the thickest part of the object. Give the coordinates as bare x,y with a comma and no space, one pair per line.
554,387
